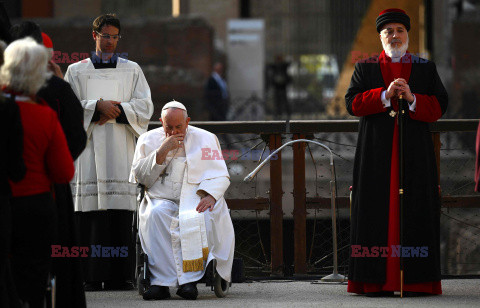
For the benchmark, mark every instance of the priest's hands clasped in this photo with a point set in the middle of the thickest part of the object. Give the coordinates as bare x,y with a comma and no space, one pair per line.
399,87
108,110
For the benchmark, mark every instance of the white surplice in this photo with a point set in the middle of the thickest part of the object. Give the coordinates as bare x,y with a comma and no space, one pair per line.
159,211
102,170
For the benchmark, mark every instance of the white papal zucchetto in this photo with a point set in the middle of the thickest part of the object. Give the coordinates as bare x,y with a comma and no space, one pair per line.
174,104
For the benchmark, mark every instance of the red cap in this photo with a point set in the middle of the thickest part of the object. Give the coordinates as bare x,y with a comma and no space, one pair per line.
47,42
392,10
392,16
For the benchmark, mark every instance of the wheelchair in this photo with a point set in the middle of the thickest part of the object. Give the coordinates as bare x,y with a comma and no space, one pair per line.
211,278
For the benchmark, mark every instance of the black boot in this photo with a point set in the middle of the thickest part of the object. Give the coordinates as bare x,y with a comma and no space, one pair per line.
93,286
118,285
156,293
188,290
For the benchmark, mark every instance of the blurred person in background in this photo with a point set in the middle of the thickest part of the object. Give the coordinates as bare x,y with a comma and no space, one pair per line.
52,66
216,94
279,79
60,97
12,168
47,161
32,29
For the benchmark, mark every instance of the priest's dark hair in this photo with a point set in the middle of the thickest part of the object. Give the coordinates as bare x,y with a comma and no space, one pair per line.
26,28
104,20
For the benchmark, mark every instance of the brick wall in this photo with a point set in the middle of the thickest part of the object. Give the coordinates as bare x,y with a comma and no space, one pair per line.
174,53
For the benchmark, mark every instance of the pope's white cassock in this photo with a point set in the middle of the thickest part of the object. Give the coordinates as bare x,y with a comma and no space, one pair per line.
178,240
102,170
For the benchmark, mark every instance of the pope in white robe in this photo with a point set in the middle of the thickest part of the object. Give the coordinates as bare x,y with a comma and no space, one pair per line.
184,219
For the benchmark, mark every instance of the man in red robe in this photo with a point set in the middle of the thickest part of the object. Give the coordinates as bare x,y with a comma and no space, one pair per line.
373,95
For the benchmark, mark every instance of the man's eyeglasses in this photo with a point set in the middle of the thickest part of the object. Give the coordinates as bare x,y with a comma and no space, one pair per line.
108,36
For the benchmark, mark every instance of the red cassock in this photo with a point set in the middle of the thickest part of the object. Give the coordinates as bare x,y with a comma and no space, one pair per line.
368,105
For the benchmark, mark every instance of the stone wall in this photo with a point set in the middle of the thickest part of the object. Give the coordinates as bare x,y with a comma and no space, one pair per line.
217,13
174,53
465,97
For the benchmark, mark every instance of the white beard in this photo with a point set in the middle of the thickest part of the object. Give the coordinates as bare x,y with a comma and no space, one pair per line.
395,52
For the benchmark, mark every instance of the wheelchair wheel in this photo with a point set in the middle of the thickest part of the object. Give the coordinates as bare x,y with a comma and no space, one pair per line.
141,284
220,286
142,272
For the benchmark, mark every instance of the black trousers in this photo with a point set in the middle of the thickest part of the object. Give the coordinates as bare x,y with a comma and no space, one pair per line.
68,271
110,228
8,294
33,232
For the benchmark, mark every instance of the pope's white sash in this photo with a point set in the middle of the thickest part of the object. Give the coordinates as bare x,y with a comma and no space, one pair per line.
193,234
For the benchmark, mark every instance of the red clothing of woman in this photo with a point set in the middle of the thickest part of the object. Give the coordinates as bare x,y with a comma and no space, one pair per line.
46,153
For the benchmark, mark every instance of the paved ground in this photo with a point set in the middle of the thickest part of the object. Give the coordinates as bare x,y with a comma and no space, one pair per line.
287,293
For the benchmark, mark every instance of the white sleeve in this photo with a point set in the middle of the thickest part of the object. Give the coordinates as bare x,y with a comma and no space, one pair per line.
145,169
139,109
386,102
413,105
215,187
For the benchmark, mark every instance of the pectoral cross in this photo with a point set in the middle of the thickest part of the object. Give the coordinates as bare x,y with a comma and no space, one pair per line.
163,176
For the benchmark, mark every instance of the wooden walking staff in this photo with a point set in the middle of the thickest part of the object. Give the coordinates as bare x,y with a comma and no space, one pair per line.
402,116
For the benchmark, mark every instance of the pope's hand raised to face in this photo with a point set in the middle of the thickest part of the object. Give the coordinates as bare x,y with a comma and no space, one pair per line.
170,143
173,142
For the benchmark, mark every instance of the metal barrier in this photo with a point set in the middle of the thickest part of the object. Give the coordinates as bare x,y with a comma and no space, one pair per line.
271,133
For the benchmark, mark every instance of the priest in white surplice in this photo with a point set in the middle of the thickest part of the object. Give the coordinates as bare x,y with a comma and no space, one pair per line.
117,108
184,219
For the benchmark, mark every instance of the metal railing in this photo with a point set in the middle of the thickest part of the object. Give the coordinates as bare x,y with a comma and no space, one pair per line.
271,132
